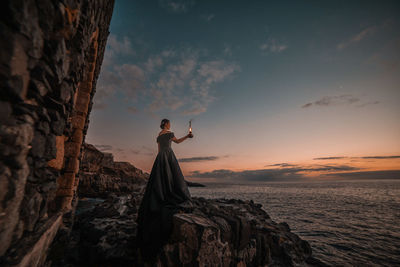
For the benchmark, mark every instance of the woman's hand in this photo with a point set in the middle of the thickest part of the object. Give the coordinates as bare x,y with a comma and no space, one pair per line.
190,135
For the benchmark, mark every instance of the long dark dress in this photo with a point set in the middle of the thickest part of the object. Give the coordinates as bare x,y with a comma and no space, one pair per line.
166,193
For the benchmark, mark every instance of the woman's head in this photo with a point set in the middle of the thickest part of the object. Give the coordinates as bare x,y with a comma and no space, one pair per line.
165,124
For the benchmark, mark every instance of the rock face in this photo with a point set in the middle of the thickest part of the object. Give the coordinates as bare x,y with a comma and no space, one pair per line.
99,175
50,58
220,232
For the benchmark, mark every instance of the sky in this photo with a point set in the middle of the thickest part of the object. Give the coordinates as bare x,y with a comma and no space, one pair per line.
276,90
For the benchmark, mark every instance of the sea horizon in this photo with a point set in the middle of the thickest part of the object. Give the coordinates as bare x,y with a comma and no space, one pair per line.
314,180
347,222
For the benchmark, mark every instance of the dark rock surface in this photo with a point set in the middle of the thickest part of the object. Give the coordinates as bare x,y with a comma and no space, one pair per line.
100,175
219,232
46,55
193,184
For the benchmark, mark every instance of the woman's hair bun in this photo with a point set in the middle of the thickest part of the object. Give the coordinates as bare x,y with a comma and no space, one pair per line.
163,122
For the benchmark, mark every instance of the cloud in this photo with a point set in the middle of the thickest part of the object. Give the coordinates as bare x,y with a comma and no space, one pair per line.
333,100
153,63
345,99
366,175
281,165
126,78
208,17
185,81
121,47
264,175
381,157
249,175
387,56
143,150
221,173
216,71
275,174
175,79
195,110
140,151
176,6
357,37
368,103
329,168
328,158
273,46
368,32
195,159
364,157
104,148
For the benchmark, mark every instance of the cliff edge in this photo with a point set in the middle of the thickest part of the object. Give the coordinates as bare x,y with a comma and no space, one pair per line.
216,232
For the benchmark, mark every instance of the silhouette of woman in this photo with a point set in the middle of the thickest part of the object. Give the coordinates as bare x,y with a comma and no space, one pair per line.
166,193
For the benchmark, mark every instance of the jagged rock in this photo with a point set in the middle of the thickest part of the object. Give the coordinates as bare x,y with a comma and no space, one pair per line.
38,145
108,160
217,232
99,175
50,58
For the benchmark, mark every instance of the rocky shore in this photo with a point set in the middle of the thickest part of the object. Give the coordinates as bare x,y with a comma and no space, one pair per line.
218,232
215,232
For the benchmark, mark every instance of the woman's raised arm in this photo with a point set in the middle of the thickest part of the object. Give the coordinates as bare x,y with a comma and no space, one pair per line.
180,140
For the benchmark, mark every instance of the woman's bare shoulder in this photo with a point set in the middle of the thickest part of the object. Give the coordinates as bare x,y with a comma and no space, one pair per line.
165,132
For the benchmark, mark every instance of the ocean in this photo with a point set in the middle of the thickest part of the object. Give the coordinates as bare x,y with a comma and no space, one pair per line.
347,223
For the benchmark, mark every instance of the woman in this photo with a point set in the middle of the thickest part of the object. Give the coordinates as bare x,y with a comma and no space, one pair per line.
166,192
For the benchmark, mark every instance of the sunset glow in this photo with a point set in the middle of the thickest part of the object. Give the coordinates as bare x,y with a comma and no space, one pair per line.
268,94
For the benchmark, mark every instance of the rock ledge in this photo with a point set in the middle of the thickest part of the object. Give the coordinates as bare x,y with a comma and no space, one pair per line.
217,232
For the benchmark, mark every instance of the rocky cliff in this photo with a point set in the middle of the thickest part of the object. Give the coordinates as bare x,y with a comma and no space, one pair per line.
218,232
100,175
50,58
